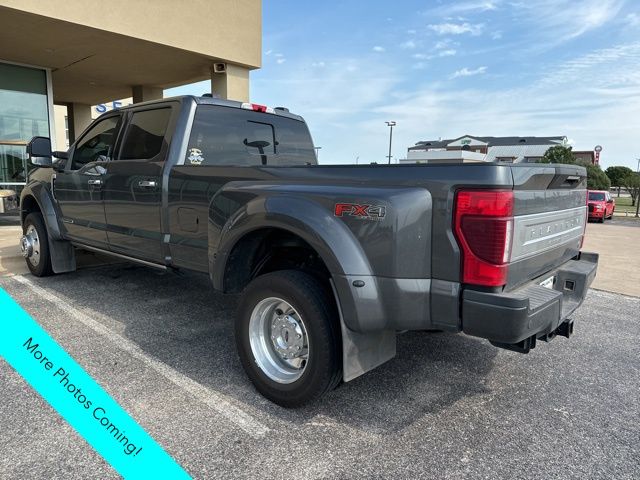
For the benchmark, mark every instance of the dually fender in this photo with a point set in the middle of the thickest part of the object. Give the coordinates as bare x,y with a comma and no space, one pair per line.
342,254
330,238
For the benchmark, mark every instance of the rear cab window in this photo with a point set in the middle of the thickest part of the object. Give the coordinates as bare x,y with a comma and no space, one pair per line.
233,136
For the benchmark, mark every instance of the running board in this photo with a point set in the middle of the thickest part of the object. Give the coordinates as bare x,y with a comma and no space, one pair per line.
119,255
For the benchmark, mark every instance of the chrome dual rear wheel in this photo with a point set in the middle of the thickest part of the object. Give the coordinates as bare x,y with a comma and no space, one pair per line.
279,340
288,337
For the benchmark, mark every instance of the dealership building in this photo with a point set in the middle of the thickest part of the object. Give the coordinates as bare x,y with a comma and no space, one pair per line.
79,54
471,148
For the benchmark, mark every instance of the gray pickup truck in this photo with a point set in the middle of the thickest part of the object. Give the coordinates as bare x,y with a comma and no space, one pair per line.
332,261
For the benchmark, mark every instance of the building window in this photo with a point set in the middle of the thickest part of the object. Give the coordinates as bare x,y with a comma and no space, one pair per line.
23,114
66,130
505,159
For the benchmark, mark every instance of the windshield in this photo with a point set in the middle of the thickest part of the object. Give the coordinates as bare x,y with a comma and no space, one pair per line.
596,196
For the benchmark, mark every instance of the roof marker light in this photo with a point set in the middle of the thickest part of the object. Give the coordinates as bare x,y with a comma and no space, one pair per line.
257,108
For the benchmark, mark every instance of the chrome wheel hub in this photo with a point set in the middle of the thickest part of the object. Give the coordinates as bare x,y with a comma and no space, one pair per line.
286,336
278,340
26,246
30,246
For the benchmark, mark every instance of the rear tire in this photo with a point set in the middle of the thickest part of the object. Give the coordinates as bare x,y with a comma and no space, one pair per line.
288,337
39,258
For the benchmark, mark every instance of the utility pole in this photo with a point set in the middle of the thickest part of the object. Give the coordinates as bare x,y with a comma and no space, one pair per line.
317,149
638,196
391,124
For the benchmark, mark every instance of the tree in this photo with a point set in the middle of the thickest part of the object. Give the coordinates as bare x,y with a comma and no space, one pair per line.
632,184
617,176
558,154
596,178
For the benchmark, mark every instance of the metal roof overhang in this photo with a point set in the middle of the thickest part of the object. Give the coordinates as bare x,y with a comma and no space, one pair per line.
90,65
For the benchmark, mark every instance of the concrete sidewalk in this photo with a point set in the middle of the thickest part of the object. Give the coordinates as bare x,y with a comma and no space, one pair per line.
11,261
618,243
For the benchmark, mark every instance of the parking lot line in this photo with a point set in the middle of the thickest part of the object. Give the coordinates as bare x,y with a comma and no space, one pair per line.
215,400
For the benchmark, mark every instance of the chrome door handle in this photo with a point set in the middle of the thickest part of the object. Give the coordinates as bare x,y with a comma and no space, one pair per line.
147,184
95,182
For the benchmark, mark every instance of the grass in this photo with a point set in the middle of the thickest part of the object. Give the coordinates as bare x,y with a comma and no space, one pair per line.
623,204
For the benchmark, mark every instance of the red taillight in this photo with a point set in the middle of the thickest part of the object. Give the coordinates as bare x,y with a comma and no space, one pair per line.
258,108
483,222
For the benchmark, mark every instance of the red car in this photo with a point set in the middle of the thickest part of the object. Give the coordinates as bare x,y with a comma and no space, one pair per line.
601,205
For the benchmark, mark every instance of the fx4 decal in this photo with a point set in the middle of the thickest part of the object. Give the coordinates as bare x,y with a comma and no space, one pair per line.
365,212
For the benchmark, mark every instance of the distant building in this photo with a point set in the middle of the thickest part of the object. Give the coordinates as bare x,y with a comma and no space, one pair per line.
470,148
588,156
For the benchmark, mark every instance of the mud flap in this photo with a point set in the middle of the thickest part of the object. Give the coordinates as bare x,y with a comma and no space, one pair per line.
63,255
362,352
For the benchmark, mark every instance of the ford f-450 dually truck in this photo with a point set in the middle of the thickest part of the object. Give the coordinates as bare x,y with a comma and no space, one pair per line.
332,261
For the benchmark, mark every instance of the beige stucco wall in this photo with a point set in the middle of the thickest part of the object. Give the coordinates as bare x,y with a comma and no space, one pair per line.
59,114
225,29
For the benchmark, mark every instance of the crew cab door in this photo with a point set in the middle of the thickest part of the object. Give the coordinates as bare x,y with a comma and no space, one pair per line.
133,185
78,189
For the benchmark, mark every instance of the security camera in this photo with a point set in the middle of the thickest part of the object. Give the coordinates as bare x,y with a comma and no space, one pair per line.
219,68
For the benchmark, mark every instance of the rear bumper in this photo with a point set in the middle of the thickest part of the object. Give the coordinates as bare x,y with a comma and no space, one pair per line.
531,311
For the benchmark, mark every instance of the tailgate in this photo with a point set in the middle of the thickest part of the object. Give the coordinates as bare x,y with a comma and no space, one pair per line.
550,215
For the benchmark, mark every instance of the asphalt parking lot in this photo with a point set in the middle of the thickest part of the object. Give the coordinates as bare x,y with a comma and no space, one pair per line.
448,406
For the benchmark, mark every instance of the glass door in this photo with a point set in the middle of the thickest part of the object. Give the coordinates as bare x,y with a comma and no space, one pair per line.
24,113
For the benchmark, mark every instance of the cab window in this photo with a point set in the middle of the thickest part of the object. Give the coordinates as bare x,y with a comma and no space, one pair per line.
144,138
233,136
96,144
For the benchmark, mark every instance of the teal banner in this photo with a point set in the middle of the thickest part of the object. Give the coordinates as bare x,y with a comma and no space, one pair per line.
79,399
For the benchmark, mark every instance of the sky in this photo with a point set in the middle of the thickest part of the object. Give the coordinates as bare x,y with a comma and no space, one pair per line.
446,69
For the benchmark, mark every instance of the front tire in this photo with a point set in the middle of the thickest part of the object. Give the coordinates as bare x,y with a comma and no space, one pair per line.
288,340
35,245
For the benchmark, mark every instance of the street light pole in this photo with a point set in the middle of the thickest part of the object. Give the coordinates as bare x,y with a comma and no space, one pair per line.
317,149
391,124
638,196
